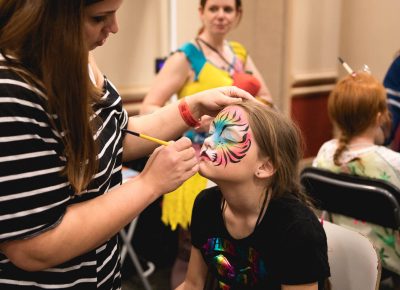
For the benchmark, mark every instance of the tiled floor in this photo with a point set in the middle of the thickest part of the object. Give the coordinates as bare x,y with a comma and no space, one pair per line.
159,280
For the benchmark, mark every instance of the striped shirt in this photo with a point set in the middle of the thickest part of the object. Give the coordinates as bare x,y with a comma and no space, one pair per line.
34,195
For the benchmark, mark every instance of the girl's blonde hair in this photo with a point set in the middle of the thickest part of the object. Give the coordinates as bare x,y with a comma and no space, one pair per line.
353,106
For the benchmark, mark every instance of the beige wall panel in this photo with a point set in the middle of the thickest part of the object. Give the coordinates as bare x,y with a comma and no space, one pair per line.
314,38
127,58
370,34
262,31
188,22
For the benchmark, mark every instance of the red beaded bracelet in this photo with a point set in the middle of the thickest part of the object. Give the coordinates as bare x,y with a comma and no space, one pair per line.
186,115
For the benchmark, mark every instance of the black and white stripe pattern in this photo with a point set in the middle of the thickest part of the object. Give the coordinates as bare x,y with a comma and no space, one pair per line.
33,193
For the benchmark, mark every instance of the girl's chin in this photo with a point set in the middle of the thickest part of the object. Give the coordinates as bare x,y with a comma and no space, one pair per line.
203,169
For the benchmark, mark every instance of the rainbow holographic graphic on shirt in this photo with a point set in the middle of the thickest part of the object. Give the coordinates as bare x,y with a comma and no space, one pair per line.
230,133
234,266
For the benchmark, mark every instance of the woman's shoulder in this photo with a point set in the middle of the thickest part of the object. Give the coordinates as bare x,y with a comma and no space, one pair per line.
190,48
237,45
193,54
239,50
15,84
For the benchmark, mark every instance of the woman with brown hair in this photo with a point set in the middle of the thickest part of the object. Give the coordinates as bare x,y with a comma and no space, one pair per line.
62,145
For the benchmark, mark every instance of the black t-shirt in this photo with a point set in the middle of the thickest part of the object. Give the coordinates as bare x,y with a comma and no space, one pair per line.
287,247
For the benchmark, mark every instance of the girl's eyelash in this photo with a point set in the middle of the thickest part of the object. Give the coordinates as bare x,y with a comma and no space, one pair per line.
98,18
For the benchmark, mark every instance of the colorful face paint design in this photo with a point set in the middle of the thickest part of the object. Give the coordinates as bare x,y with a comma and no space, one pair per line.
230,133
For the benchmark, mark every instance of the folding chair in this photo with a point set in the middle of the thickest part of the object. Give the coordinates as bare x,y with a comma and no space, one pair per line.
372,200
127,248
353,260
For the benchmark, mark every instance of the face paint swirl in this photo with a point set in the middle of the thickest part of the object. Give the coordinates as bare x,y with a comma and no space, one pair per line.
230,136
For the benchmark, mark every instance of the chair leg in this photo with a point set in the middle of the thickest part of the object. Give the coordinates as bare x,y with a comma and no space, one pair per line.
129,235
128,249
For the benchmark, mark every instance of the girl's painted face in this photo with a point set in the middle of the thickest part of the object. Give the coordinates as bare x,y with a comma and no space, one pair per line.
218,16
230,138
100,21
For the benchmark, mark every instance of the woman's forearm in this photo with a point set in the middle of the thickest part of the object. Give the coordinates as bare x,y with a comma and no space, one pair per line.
84,227
165,124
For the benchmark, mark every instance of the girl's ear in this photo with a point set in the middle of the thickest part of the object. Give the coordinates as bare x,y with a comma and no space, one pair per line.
266,169
379,119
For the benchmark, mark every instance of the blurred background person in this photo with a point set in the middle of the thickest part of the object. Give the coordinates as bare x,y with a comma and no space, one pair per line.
358,109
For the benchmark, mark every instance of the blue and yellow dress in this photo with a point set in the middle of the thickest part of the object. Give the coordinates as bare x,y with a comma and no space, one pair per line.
177,205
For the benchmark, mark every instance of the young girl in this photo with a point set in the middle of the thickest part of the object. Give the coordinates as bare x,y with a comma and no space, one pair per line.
255,230
358,108
209,60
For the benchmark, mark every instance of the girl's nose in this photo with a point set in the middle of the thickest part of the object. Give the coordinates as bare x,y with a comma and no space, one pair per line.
208,142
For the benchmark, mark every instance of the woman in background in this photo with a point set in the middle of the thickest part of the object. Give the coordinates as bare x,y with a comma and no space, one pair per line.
358,109
208,61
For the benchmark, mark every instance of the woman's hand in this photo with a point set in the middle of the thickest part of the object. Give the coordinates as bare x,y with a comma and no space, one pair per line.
210,102
169,166
205,123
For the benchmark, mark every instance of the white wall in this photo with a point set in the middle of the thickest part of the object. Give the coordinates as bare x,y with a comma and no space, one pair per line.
127,58
370,34
289,40
314,38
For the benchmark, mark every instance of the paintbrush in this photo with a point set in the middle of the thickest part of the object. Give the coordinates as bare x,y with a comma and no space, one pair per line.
346,66
161,142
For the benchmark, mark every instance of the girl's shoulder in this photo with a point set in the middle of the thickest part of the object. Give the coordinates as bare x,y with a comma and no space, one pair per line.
325,152
209,196
291,206
297,220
